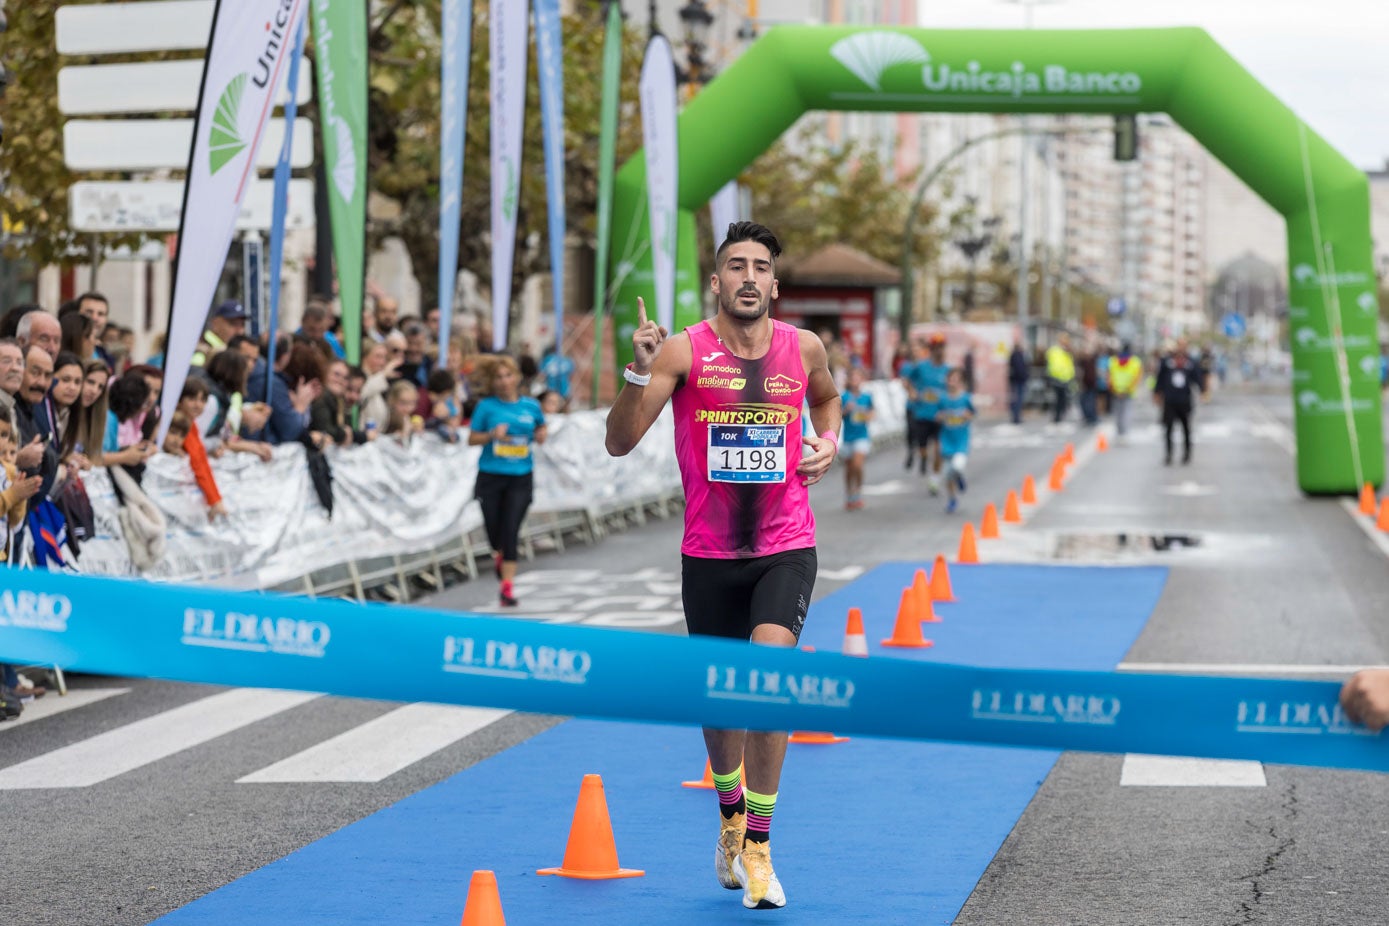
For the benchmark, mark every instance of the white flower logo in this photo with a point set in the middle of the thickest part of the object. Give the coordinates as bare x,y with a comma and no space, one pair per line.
869,54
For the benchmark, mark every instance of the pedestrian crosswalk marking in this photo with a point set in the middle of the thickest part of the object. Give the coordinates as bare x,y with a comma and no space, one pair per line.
379,748
124,749
56,704
1144,771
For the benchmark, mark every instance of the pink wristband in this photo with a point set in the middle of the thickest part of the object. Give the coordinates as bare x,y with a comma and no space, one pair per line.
832,438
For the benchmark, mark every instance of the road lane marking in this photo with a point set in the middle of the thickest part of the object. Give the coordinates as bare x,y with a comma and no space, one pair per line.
54,703
1145,771
98,758
379,748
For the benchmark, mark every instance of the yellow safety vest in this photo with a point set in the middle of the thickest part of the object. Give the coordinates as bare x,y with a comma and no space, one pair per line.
1125,377
1060,366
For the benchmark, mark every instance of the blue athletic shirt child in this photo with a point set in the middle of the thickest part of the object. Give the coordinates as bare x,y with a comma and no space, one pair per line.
856,408
955,415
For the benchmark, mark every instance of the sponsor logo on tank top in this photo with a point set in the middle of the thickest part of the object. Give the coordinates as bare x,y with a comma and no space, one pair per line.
781,384
747,413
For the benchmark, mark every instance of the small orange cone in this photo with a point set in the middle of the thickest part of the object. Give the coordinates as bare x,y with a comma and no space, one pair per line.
1101,443
591,853
988,527
1069,453
808,738
921,588
1367,500
1029,490
1012,514
968,553
1383,522
855,642
1056,480
907,631
704,784
484,905
940,581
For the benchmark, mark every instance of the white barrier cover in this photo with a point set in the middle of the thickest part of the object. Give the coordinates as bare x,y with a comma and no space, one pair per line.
387,499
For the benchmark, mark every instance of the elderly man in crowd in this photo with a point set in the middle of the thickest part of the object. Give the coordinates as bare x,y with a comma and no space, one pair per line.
39,329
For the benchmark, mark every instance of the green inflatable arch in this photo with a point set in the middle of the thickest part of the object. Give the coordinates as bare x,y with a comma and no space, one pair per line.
1183,72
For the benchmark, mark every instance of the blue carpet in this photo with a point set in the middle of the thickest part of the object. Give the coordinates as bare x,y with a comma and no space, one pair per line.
869,830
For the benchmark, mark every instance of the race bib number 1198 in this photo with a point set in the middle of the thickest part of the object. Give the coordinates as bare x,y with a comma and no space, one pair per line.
747,453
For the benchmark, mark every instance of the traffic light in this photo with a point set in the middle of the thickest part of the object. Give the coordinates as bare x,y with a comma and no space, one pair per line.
1125,137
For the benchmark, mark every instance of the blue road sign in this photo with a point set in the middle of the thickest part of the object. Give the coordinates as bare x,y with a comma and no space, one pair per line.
1117,306
1233,325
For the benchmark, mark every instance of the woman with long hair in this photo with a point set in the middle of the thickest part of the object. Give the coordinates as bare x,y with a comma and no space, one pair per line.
505,424
402,399
64,398
86,428
79,335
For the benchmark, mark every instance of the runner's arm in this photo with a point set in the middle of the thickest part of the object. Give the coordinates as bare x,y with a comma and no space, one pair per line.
826,414
637,407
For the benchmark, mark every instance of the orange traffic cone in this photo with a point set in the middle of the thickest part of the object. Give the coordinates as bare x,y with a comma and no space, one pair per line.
1029,490
1383,522
921,588
968,553
1101,443
591,853
704,784
988,527
1367,500
940,581
855,642
806,738
1056,480
907,631
1068,453
484,905
1012,514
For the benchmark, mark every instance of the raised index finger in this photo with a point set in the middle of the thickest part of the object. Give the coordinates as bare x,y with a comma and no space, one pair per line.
641,311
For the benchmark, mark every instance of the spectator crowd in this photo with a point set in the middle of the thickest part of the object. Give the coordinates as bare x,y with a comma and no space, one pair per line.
73,398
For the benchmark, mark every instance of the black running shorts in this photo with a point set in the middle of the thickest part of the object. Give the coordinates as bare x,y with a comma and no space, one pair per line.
924,431
729,597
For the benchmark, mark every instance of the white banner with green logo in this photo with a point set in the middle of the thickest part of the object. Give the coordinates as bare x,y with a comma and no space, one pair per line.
248,53
507,23
658,132
340,55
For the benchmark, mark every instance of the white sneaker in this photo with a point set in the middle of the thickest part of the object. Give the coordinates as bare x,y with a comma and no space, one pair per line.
753,869
731,831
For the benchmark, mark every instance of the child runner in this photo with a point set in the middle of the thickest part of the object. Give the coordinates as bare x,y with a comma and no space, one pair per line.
956,413
858,411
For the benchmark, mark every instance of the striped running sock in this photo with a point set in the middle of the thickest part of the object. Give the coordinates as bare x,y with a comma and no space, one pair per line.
730,789
760,807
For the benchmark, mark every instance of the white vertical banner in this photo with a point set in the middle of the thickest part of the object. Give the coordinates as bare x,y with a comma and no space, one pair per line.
248,53
658,132
724,209
507,22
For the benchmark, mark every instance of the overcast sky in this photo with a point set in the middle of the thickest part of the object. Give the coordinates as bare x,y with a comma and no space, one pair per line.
1326,59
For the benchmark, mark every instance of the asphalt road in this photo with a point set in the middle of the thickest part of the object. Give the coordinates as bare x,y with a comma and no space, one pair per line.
1275,579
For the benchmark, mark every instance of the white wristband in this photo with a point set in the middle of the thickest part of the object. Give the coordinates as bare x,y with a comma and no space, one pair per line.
635,378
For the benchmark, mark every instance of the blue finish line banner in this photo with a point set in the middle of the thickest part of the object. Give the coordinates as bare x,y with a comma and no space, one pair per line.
241,638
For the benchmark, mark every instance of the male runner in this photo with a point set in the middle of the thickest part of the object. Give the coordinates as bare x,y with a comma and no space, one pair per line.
926,387
738,383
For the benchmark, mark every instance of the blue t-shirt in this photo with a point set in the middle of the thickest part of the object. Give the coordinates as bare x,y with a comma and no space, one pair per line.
954,426
855,415
928,379
557,370
510,456
109,442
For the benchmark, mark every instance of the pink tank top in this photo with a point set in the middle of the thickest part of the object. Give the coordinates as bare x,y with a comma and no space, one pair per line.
738,442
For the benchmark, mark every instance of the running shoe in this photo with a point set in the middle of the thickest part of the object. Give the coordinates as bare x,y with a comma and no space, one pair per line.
753,869
731,831
951,505
507,601
933,485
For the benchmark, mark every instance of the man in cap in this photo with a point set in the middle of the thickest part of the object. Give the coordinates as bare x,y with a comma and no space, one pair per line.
227,321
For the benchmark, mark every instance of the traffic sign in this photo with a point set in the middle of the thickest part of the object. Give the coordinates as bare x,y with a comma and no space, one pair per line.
1233,325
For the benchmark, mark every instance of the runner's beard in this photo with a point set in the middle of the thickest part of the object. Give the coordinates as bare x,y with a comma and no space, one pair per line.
732,307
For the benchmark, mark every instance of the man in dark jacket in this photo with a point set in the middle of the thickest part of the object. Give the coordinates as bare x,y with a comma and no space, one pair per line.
34,415
1179,380
1018,374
